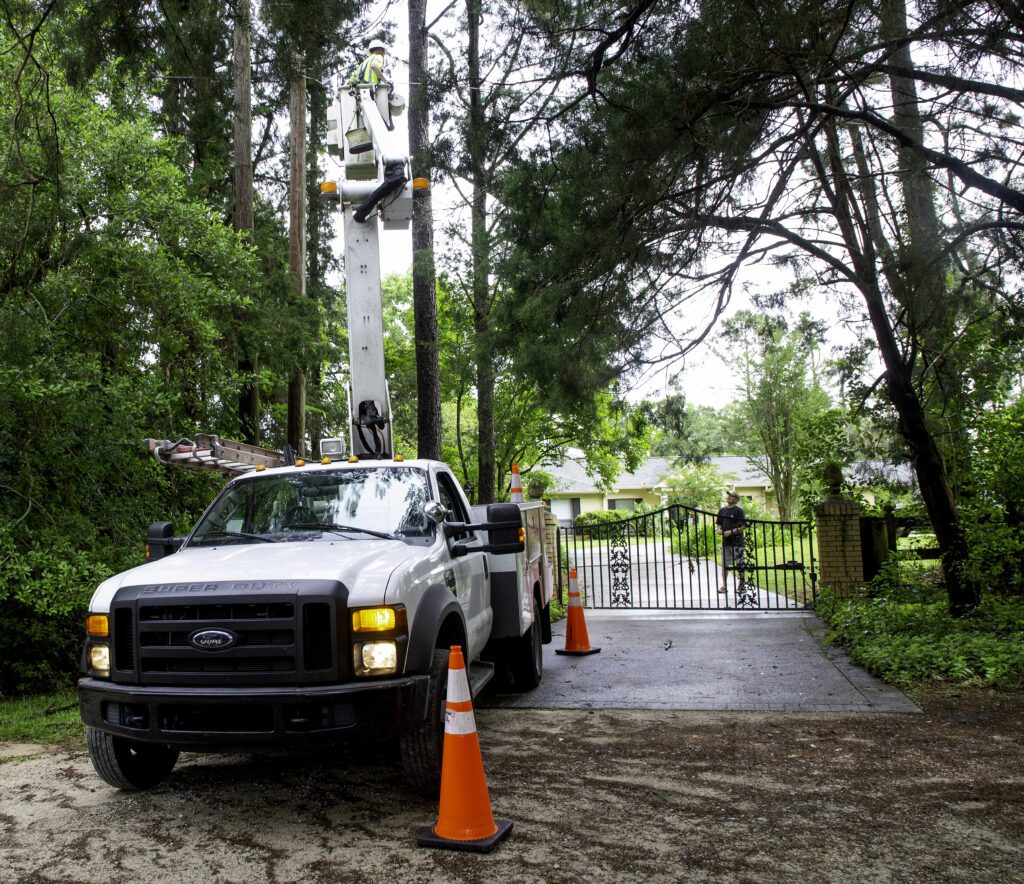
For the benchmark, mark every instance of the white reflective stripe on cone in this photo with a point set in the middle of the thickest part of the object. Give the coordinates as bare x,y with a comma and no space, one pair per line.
459,723
575,599
458,686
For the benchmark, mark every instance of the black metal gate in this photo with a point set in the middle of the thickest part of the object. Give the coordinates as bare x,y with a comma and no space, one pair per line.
673,558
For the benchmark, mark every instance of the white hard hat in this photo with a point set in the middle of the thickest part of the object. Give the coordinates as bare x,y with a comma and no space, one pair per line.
377,44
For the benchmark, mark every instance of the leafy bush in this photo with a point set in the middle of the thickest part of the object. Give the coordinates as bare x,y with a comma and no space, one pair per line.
601,517
905,635
44,591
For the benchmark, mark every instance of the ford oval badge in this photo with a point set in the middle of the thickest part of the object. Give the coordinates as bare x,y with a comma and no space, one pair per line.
213,639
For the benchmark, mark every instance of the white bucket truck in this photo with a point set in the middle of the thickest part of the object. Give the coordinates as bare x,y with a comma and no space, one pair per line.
317,601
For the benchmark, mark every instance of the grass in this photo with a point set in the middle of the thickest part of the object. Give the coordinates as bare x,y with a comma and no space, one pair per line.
50,718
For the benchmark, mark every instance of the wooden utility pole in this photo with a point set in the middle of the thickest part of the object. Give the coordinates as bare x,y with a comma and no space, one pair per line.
424,289
481,253
297,241
243,215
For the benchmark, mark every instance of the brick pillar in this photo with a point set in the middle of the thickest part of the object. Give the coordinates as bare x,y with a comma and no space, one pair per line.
840,566
551,538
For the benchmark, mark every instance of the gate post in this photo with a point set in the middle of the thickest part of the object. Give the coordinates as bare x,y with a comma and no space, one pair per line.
840,564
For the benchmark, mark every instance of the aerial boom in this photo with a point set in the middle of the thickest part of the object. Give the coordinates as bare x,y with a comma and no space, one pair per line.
375,190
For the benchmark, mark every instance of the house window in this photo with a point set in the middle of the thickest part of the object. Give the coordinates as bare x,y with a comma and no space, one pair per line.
565,508
623,503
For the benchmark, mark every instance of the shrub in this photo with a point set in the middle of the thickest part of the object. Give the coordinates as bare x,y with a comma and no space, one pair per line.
601,517
44,592
904,634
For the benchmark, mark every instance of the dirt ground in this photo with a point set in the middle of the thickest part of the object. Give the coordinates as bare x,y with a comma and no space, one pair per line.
594,796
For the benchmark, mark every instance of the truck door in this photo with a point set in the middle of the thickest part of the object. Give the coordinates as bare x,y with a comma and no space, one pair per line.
469,574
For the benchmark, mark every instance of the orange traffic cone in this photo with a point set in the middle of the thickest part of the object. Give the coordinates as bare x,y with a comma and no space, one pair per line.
515,494
577,642
464,818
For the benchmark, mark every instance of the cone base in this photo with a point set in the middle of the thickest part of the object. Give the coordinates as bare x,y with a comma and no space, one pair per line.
427,838
569,653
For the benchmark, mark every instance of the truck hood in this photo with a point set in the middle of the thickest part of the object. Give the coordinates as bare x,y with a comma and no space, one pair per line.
363,566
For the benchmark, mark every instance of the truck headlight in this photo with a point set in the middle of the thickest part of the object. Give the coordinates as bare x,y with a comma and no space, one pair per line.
374,620
375,658
99,659
97,624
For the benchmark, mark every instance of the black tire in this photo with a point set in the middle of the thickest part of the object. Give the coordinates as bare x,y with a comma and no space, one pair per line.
129,764
526,655
421,745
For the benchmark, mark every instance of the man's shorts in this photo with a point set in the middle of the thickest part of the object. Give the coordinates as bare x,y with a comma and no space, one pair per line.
733,556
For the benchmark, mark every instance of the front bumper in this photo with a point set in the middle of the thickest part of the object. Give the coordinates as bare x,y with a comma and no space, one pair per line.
222,718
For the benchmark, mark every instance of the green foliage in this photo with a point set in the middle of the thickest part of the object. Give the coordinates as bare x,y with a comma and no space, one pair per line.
118,293
601,517
611,433
993,506
692,434
906,635
44,589
700,486
782,406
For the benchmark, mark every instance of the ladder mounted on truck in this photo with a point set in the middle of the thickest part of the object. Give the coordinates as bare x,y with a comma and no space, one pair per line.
208,452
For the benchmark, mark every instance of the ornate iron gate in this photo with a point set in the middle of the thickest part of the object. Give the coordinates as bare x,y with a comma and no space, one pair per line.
672,558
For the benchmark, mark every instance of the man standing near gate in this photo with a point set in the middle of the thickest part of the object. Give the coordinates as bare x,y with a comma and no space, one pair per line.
731,523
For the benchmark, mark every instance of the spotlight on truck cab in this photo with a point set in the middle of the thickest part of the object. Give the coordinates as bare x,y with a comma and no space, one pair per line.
332,448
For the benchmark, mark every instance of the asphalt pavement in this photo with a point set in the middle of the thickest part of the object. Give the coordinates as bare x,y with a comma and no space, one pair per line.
742,661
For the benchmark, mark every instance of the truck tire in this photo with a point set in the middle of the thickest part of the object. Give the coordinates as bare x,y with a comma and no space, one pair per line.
129,764
422,744
526,655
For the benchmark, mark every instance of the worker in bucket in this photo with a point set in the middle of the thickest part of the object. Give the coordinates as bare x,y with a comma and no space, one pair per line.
371,71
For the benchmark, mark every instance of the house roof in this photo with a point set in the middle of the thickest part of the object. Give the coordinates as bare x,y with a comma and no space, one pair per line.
571,477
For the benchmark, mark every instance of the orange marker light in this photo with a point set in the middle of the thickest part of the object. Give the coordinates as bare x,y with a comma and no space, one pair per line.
97,624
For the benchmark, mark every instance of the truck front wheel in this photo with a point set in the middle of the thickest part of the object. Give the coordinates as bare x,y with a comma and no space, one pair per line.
422,744
129,764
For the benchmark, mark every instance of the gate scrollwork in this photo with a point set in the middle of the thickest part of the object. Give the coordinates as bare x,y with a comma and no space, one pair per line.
618,565
746,570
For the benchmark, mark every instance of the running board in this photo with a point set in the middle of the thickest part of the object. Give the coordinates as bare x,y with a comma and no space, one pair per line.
480,672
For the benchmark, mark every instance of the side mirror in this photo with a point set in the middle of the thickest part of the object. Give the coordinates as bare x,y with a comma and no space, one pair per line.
504,527
160,541
436,512
505,523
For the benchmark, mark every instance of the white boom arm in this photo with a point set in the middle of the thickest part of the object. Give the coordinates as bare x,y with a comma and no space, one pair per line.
376,187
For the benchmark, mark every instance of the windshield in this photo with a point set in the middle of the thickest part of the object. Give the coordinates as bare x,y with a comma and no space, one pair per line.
355,504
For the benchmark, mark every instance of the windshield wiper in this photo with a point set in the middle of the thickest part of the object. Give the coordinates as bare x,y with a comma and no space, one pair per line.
244,534
317,526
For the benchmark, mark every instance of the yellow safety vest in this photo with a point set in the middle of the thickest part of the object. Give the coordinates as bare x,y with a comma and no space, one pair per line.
370,70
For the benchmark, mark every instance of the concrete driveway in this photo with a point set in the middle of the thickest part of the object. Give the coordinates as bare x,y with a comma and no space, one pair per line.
739,661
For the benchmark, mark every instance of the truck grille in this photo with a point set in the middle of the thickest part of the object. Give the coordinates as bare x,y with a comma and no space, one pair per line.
278,641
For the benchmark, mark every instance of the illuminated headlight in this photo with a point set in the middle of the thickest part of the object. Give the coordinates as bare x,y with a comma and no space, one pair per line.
99,659
375,658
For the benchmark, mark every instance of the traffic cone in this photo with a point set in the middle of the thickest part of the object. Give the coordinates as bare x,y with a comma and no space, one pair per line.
516,491
464,818
577,642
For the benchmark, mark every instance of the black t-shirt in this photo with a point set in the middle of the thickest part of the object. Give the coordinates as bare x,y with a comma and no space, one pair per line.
730,517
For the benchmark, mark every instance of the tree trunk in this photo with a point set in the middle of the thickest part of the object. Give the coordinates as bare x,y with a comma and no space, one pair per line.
480,248
297,242
424,292
963,591
319,234
243,215
921,283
